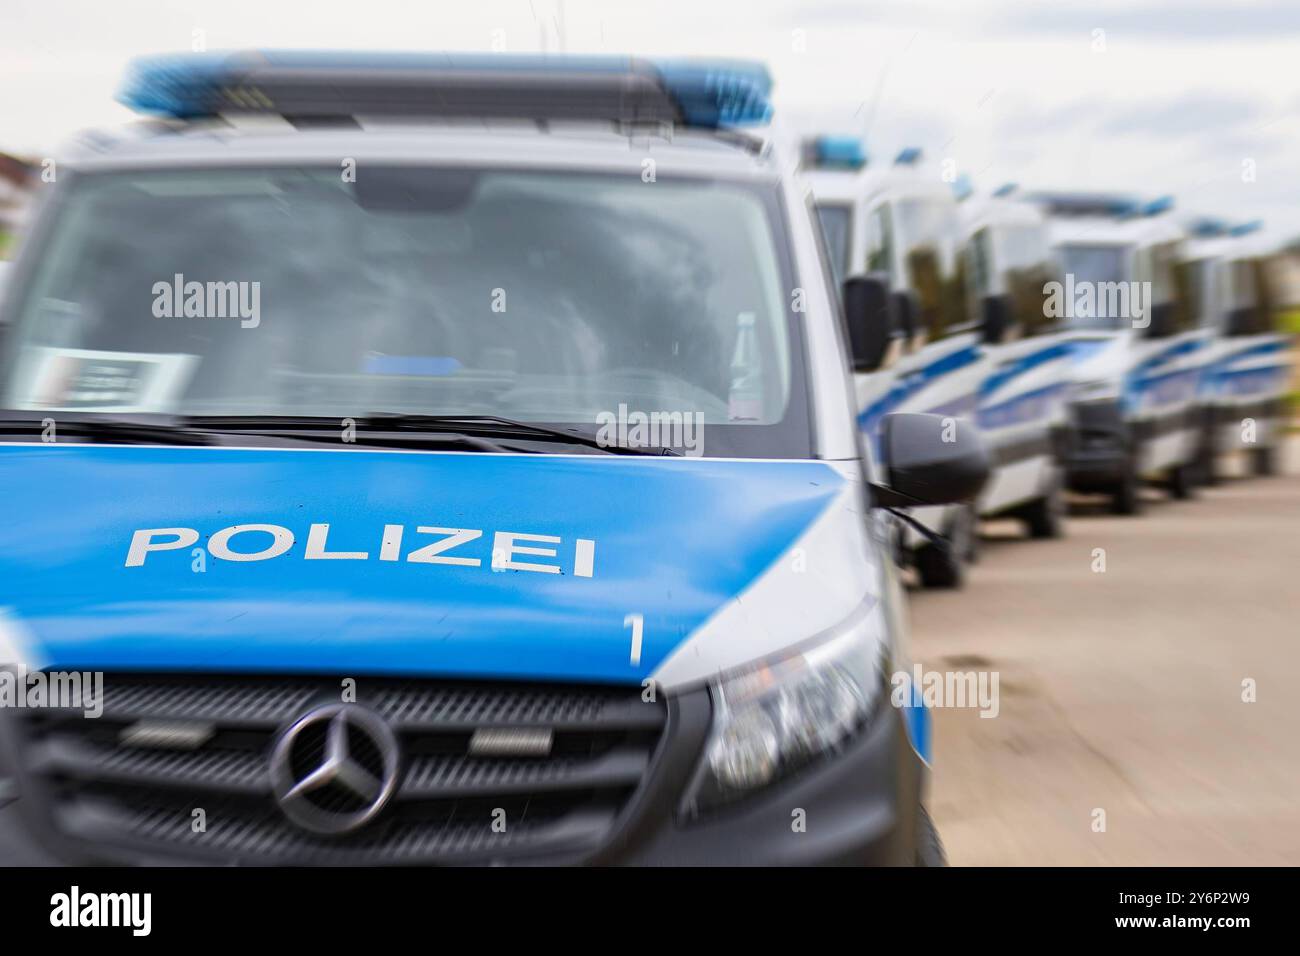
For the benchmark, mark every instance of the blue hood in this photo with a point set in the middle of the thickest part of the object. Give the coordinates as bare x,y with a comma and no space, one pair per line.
674,540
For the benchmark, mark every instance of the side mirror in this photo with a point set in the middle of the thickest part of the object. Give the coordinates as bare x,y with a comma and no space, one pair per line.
869,317
995,318
1243,321
1162,320
931,460
906,310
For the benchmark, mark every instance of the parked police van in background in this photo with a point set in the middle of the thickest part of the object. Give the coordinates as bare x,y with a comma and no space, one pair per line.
892,232
1138,363
1243,389
366,583
1023,397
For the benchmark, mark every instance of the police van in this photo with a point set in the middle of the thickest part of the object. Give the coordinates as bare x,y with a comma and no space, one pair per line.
1243,388
1022,409
1138,356
893,232
383,559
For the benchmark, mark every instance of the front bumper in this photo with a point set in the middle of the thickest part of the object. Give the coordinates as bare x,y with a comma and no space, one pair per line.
857,807
1098,452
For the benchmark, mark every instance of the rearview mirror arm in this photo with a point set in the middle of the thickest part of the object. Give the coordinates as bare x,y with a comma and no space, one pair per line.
934,537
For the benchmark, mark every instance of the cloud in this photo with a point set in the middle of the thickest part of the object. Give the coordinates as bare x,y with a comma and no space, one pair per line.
1186,20
1192,114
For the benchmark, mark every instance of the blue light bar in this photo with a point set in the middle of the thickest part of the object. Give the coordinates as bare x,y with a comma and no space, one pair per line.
908,157
1207,228
962,188
839,152
1006,189
718,93
1087,204
703,93
1156,206
1246,228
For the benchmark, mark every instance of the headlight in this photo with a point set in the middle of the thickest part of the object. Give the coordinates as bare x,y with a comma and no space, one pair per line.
771,719
15,644
1099,390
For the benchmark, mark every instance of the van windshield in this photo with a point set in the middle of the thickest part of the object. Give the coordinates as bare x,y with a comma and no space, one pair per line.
1095,265
542,296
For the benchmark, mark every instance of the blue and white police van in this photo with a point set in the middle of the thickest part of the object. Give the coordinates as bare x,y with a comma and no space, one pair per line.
1243,387
892,231
1138,356
382,559
1023,405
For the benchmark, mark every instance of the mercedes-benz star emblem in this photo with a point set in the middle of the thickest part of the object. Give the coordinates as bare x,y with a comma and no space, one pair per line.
335,768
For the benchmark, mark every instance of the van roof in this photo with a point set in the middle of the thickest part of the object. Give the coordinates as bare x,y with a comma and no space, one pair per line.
979,212
273,141
1107,230
869,183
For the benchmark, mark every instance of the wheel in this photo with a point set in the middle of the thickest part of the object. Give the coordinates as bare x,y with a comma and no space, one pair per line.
939,567
1263,461
929,848
944,565
1045,516
972,554
1182,481
1126,499
1206,458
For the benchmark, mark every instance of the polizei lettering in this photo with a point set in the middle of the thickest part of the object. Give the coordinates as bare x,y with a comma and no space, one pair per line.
463,547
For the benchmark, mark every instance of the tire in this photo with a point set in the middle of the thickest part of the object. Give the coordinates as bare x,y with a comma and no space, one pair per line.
972,555
1182,481
939,567
1263,461
1207,474
1045,517
929,848
1126,499
945,567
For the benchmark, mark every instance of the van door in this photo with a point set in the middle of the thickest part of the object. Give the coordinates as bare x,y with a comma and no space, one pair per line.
1248,381
1022,398
1169,351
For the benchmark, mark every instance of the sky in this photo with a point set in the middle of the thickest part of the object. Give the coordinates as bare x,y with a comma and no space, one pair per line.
1199,99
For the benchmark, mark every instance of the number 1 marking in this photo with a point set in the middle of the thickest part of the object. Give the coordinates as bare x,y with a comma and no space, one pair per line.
638,625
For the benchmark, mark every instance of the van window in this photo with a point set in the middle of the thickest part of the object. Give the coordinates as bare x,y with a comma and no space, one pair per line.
1196,281
1157,264
836,226
979,266
1098,265
1024,254
1241,284
880,242
926,233
541,295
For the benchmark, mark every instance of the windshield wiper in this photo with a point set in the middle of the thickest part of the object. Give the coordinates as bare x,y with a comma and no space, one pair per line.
500,426
385,429
331,430
116,428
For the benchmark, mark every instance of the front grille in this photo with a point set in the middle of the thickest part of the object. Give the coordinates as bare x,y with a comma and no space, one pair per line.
449,805
1104,418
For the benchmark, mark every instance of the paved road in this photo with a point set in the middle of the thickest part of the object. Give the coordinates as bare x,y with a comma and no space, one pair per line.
1122,690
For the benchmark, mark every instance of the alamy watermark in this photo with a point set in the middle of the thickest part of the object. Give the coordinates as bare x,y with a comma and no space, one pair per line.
679,431
1082,299
75,908
57,690
959,689
208,300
